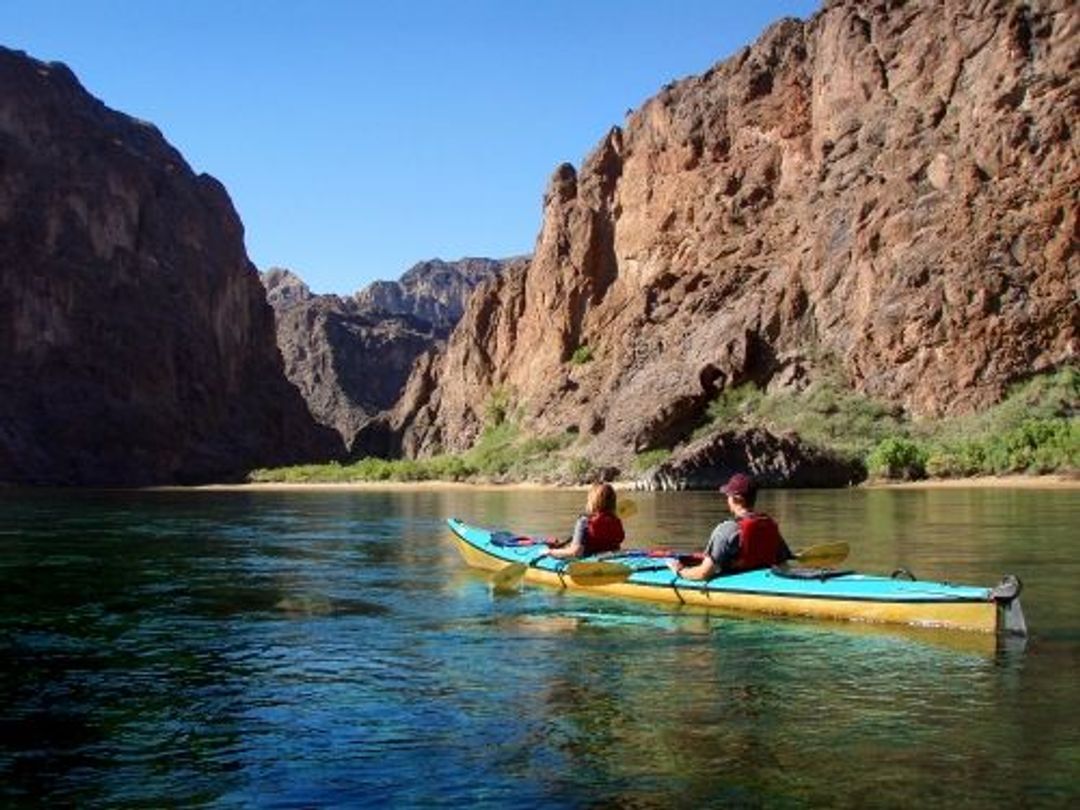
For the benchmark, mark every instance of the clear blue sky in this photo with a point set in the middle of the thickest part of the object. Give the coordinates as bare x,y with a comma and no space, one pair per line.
357,138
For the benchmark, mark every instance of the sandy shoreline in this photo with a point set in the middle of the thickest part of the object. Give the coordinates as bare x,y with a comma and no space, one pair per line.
986,482
374,486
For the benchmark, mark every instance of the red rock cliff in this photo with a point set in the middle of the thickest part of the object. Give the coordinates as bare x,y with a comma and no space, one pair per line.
888,190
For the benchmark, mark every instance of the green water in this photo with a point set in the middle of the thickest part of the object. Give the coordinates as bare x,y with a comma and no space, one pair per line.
330,649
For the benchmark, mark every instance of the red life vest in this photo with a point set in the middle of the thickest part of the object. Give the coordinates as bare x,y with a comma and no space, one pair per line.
760,544
603,533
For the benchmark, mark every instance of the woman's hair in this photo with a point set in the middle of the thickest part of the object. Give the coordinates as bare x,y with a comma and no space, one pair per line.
601,499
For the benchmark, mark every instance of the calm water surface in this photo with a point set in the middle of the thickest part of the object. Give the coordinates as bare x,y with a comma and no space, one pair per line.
329,649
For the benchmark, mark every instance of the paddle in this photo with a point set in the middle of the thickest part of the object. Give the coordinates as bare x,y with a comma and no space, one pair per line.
819,556
590,573
823,555
583,569
508,576
626,509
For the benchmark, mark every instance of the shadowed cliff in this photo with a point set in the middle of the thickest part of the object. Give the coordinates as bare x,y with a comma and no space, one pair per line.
136,344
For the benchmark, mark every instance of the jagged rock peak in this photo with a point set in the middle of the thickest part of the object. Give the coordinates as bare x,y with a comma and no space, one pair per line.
433,290
350,357
284,289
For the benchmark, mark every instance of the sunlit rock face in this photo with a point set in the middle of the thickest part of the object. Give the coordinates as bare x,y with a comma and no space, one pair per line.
435,291
884,194
136,344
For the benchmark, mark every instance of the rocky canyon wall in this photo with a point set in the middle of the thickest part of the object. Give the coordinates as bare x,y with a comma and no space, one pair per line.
350,356
136,344
884,193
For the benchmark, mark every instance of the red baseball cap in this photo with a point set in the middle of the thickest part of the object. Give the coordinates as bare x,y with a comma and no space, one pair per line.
740,485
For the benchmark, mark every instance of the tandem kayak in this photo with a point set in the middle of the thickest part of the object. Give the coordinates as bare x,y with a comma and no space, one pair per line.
818,593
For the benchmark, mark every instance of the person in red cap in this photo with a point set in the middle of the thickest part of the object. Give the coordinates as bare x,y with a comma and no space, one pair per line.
749,541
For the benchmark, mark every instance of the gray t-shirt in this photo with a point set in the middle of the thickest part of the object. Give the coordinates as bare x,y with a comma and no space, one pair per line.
581,529
723,545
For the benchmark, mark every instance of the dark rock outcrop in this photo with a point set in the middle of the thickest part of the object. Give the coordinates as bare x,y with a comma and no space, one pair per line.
351,356
884,193
136,345
773,460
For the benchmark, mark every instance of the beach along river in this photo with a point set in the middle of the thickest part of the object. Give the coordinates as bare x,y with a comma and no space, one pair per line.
330,649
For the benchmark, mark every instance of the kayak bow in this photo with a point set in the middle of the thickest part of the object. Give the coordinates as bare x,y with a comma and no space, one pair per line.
820,593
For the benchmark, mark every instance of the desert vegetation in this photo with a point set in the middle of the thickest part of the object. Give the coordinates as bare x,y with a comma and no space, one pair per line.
1035,430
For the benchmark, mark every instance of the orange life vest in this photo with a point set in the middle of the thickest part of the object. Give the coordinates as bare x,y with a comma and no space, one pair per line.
760,544
603,533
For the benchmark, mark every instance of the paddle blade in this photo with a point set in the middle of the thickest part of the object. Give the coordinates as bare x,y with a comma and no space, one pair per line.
598,573
823,555
508,576
626,508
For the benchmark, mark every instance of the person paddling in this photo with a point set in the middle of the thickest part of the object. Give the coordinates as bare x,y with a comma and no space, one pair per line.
597,531
749,541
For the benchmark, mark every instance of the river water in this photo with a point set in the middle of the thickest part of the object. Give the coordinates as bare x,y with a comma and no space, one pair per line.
330,649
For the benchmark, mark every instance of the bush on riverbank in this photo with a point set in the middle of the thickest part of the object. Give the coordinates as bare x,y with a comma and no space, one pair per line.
1036,429
825,415
503,453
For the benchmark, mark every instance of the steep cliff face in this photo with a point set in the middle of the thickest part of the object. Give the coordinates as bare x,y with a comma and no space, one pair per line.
136,345
350,357
887,190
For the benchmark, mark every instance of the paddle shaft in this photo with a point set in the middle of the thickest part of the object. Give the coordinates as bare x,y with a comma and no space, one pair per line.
821,555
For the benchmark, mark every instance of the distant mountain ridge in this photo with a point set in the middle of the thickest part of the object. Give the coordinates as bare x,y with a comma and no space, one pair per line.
350,356
435,290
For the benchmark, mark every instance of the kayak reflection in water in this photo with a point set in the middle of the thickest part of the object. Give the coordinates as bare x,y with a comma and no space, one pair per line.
749,541
597,531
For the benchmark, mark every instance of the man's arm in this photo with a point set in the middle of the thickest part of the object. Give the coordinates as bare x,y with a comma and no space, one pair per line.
723,547
705,569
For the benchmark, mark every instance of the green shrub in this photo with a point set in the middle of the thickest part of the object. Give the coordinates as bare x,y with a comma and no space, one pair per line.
734,406
582,470
898,457
451,468
582,355
1033,446
499,407
956,460
650,458
826,415
1036,429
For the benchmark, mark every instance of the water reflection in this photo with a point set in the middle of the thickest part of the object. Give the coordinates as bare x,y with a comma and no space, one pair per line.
323,648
